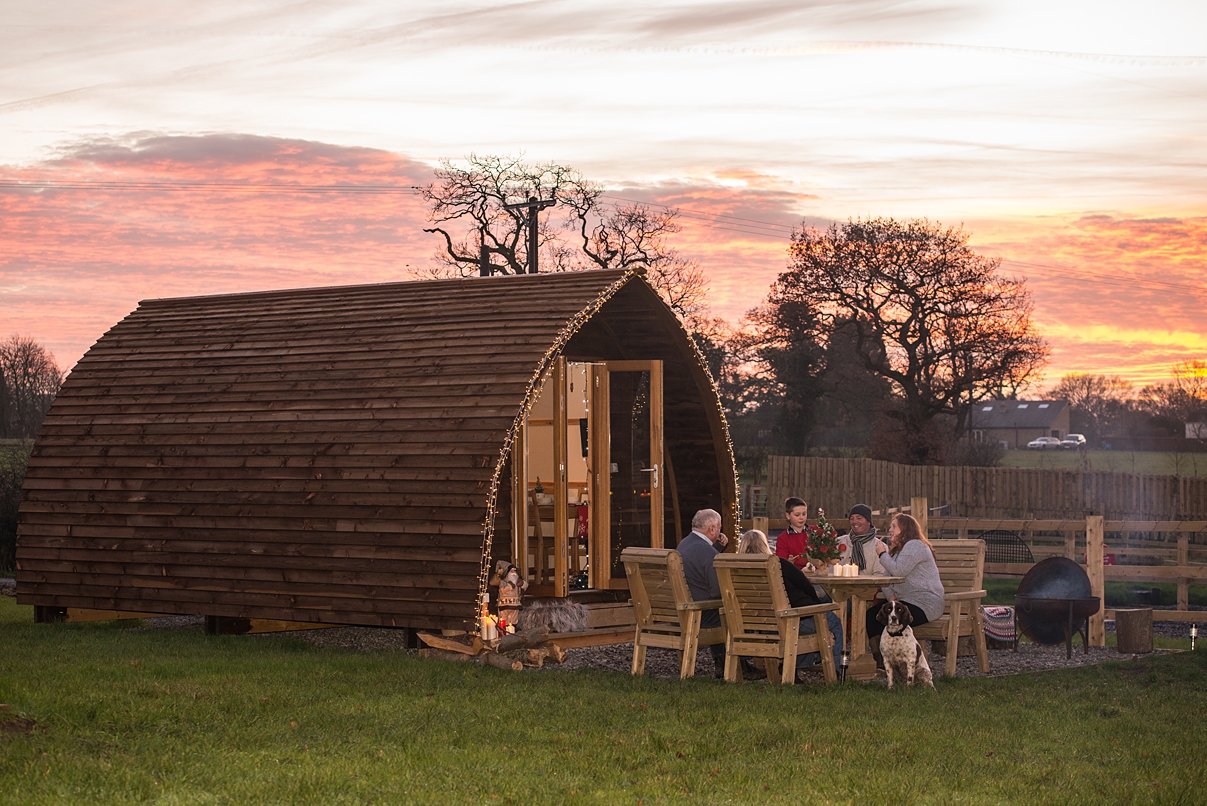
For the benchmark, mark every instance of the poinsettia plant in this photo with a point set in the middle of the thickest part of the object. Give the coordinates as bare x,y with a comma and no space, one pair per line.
823,544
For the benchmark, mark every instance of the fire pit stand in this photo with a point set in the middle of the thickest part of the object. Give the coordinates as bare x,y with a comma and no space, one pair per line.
1053,602
1072,616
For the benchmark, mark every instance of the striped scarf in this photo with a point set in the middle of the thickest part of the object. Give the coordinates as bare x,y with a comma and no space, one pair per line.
857,544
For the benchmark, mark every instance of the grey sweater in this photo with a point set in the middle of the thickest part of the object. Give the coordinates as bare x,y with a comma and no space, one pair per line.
922,587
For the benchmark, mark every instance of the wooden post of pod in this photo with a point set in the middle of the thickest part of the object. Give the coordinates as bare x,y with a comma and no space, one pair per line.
1094,528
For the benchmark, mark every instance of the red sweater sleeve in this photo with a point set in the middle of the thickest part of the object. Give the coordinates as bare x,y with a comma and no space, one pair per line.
789,544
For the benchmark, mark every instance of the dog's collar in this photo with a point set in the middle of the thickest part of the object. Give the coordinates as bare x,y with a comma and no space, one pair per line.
889,630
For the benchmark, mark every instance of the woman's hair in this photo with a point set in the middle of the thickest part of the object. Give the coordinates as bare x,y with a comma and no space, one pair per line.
792,503
910,530
753,542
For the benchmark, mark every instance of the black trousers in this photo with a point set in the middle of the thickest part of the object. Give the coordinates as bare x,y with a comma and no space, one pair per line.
875,628
709,619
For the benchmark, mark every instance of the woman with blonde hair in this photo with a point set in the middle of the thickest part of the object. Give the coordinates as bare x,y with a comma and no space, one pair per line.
908,555
801,593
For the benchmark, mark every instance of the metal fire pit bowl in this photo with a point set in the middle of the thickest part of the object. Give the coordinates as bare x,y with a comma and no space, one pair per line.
1053,603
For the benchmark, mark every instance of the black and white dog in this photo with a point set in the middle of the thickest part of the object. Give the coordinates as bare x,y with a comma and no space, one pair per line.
902,653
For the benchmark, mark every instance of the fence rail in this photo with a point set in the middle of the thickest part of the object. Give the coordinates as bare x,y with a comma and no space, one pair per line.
984,492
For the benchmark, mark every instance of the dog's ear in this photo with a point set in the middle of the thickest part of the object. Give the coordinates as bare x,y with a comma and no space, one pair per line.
904,616
885,609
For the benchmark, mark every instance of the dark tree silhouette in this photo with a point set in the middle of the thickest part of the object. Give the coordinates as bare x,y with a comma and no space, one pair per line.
924,312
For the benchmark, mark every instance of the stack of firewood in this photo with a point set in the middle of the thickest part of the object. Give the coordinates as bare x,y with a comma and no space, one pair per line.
515,651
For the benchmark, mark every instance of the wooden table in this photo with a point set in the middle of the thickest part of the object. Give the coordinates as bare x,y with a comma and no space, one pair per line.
859,591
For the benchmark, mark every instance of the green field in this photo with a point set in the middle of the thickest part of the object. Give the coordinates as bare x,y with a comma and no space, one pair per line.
102,714
1144,462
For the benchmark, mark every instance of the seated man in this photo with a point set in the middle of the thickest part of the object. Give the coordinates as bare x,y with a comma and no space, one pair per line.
862,544
698,550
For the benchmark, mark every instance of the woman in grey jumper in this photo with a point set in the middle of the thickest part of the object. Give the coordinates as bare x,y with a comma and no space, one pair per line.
908,555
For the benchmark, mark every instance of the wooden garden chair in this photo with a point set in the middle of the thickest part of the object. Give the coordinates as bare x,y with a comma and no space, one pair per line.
962,570
760,623
666,615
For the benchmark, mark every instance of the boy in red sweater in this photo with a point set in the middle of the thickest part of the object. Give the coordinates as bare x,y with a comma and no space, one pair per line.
791,545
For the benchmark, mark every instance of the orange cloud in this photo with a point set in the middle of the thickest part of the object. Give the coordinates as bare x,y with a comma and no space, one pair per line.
1113,293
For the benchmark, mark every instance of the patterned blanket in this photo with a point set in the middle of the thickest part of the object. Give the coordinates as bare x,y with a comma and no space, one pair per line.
999,623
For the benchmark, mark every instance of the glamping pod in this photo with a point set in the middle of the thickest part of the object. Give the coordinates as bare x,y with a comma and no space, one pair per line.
363,455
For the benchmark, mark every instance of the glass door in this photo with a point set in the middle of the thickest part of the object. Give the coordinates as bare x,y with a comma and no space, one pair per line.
627,466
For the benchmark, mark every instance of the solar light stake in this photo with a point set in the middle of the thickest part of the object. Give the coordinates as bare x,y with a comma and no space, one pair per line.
845,658
1194,633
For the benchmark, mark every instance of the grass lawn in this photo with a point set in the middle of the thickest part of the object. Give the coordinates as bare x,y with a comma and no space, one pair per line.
1143,462
125,717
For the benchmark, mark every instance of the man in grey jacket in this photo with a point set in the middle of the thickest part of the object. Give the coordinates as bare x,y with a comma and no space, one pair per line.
698,550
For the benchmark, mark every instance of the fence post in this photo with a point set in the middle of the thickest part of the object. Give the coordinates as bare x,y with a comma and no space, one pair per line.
1183,560
918,507
1071,545
1094,528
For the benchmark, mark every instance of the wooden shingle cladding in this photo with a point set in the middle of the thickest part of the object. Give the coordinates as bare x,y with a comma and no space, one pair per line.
321,455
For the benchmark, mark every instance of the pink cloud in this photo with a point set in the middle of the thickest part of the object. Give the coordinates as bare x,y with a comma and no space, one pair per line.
75,261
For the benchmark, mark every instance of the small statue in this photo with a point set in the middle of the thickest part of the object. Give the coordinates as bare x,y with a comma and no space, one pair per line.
511,590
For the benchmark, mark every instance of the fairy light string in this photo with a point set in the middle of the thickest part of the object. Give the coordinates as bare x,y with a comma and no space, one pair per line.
532,393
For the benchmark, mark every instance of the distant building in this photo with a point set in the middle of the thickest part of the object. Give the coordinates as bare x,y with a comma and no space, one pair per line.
1014,423
1196,430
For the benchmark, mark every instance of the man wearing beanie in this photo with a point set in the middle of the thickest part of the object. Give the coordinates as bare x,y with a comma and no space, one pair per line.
861,542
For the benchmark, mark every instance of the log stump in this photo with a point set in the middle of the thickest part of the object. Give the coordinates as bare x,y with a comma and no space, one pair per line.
965,646
1134,630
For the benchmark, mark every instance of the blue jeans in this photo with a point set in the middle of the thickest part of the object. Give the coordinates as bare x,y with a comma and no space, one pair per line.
809,627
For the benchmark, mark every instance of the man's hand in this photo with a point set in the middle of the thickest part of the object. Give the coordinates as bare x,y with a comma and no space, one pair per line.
723,540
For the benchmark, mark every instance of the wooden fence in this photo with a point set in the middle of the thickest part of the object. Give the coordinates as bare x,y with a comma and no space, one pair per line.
984,492
1144,551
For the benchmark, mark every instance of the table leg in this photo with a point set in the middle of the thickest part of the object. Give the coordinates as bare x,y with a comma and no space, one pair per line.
859,626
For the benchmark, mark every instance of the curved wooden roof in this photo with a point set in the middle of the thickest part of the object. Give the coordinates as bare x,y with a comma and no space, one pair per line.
316,455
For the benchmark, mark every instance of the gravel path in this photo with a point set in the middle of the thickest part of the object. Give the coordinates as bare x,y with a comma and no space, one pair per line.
664,663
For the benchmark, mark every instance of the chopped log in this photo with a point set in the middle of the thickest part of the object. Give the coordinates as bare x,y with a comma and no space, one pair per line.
1134,630
453,644
529,657
556,654
523,640
440,654
499,661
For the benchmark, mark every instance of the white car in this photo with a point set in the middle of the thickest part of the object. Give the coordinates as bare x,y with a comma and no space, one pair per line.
1072,441
1044,443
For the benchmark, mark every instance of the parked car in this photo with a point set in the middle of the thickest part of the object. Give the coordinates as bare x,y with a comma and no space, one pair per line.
1043,443
1072,441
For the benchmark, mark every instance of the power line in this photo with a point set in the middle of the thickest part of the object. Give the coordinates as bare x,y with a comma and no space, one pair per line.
210,187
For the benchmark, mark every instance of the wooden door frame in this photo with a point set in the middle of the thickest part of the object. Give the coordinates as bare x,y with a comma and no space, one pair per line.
556,382
599,460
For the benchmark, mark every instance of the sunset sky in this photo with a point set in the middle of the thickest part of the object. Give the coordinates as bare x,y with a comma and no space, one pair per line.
1070,139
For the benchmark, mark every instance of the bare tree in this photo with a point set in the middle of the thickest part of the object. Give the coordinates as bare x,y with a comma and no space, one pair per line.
29,381
924,312
473,210
1183,399
1095,402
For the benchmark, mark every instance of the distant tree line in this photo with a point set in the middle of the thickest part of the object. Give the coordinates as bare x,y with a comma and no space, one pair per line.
29,381
1103,407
